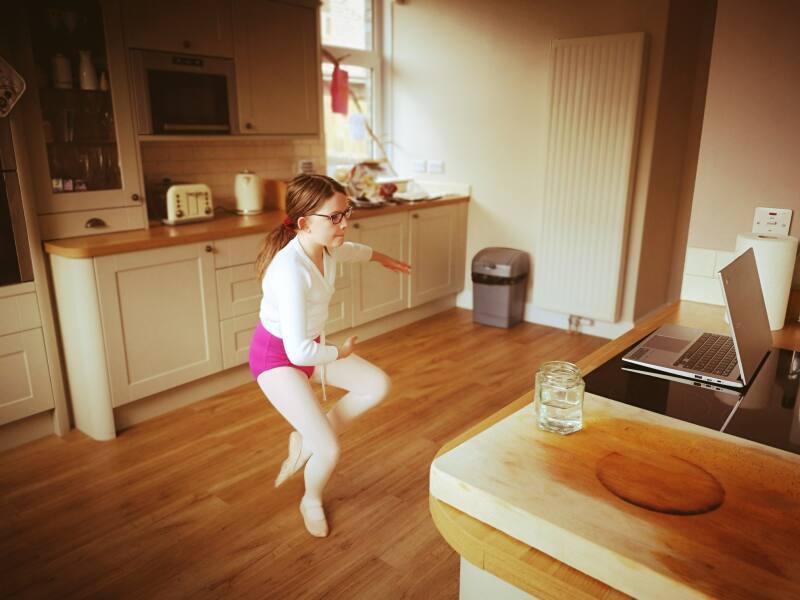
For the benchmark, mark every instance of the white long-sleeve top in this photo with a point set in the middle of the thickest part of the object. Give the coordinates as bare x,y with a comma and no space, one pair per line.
294,306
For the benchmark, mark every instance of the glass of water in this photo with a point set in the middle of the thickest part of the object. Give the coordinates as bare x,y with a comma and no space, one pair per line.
558,397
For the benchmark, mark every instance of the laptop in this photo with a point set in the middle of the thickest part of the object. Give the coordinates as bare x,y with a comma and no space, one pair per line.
682,380
721,359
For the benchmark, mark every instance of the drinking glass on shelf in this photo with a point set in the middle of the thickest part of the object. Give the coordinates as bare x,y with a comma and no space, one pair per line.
68,125
102,167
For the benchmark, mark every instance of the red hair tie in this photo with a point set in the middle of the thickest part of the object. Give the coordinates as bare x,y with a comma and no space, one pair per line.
287,223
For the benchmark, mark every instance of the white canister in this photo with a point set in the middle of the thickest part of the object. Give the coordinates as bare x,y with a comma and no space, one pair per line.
62,72
775,257
87,72
249,192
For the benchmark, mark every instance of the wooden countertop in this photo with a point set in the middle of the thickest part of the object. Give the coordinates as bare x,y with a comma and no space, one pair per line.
744,570
158,235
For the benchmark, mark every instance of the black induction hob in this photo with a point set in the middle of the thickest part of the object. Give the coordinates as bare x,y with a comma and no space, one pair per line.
767,411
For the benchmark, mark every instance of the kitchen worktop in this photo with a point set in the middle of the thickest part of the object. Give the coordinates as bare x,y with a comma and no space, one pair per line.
637,503
222,226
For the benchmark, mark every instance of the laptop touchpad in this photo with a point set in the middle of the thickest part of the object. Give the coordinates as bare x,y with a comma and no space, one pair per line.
670,344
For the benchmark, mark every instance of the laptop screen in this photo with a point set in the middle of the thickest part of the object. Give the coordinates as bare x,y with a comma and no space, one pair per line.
747,312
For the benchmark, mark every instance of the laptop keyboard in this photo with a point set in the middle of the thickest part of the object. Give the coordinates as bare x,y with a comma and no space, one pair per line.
713,354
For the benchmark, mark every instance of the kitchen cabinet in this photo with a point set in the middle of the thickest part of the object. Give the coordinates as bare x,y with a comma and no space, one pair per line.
239,295
436,252
378,292
189,27
276,52
26,388
82,140
143,321
160,318
340,309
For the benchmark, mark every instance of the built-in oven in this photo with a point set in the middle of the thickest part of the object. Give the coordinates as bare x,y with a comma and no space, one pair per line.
178,94
15,256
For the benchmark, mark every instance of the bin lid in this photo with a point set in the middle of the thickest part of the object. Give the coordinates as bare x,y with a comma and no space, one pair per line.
501,262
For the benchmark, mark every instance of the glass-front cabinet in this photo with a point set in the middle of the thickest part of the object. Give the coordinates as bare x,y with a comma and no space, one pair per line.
83,138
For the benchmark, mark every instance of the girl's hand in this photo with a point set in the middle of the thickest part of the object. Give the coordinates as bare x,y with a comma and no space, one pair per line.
390,263
348,347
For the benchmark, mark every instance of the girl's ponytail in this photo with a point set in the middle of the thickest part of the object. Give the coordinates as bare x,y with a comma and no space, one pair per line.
275,240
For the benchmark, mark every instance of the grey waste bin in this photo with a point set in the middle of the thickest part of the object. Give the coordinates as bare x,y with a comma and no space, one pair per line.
499,279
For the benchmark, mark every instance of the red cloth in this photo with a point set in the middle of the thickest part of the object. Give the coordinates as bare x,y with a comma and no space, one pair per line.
339,90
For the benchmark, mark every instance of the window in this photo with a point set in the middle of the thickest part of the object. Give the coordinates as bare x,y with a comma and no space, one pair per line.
349,34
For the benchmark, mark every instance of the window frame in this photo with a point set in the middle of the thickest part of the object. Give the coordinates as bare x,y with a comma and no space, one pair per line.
374,60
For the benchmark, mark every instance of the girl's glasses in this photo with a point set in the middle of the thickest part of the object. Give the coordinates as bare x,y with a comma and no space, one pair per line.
336,217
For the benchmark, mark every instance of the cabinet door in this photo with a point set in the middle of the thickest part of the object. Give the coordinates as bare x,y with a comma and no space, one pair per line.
26,386
82,139
277,67
378,292
340,311
160,319
189,27
437,266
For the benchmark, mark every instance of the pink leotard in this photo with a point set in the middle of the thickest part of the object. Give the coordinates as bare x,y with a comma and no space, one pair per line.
267,352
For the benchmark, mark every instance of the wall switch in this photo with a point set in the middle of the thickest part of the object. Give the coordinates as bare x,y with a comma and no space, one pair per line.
772,221
419,166
305,166
435,166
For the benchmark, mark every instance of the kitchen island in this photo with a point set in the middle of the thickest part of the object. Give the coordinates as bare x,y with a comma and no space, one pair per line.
635,504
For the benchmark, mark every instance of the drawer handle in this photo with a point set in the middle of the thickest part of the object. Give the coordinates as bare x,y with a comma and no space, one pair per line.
248,125
415,216
94,222
356,226
187,44
135,197
209,248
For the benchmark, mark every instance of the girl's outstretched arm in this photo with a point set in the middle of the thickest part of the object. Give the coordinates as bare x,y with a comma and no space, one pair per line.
390,263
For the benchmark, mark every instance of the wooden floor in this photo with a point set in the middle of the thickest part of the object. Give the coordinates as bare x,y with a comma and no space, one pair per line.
183,506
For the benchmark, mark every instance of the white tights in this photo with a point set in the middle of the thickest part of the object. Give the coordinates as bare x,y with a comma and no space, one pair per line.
289,391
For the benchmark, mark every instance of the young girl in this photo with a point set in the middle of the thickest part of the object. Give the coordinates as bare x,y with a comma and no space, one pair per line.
297,265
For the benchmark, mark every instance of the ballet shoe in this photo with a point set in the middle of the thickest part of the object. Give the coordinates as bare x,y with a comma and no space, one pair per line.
293,461
314,519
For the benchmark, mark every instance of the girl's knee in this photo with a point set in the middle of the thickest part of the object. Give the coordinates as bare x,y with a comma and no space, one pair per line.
382,386
327,448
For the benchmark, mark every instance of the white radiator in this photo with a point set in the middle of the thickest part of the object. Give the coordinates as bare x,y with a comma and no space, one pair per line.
595,92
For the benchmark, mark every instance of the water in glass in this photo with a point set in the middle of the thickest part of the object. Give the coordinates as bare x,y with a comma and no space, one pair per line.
559,397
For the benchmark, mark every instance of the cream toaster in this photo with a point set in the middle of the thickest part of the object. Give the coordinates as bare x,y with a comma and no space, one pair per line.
187,203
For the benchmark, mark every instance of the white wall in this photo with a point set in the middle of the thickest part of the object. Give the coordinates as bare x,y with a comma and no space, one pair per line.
470,88
749,146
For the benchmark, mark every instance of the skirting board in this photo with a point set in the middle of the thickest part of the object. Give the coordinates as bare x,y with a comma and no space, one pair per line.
550,318
26,430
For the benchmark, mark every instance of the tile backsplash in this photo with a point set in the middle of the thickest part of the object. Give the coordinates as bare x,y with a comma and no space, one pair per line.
216,163
700,280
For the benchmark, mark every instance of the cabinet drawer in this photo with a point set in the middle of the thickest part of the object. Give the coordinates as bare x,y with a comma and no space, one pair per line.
18,313
236,335
238,291
237,250
74,224
26,380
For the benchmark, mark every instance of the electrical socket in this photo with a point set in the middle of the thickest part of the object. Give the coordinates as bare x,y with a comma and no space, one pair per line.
305,166
435,166
772,221
418,166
